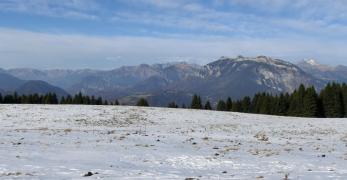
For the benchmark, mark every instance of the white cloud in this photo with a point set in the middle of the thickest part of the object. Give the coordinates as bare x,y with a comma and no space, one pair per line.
40,50
192,30
276,18
77,9
157,3
265,17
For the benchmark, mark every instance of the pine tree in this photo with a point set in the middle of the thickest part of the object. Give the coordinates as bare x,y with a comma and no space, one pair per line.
54,99
196,102
282,104
265,103
296,107
78,99
47,99
332,101
246,104
15,98
208,105
93,100
310,103
99,101
68,99
229,104
172,105
255,105
86,100
344,97
221,106
116,102
237,106
142,102
36,99
62,100
8,99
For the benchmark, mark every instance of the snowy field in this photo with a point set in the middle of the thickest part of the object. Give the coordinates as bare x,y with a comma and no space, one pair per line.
67,142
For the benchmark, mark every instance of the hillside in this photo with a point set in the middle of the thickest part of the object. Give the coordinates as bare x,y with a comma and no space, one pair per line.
120,142
9,83
40,87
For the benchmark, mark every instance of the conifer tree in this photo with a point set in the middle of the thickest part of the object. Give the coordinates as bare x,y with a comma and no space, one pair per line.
246,104
208,105
196,102
255,105
93,100
99,101
344,97
310,103
229,104
54,99
142,102
172,105
15,97
116,102
296,107
221,106
332,101
68,99
237,106
8,99
282,104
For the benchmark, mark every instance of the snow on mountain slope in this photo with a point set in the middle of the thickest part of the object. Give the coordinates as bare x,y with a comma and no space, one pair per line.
245,76
66,142
324,72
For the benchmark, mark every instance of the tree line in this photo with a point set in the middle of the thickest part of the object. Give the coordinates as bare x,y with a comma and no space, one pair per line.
330,102
52,98
303,102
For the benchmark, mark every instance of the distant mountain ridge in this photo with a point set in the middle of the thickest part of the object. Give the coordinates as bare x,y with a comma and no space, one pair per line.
324,72
161,83
40,87
10,84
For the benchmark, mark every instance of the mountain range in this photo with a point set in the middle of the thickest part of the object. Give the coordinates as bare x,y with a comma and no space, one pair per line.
10,84
161,83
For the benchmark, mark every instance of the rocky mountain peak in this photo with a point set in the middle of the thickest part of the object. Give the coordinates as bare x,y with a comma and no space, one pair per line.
312,64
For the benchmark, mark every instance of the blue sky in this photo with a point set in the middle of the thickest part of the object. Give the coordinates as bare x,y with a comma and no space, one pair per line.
105,34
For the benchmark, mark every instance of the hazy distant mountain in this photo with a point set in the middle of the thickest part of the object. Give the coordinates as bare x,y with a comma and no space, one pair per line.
58,77
324,72
10,84
40,87
162,83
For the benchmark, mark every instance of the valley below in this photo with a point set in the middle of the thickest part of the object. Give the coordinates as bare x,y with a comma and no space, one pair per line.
125,142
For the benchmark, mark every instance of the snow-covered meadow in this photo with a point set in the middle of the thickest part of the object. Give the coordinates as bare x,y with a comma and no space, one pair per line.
121,142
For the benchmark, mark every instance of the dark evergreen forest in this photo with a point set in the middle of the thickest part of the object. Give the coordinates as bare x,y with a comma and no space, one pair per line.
330,102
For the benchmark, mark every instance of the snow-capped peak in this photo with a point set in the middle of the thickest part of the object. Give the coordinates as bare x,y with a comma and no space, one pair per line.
312,62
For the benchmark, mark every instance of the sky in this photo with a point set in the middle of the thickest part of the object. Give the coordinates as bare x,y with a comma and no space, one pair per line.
105,34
